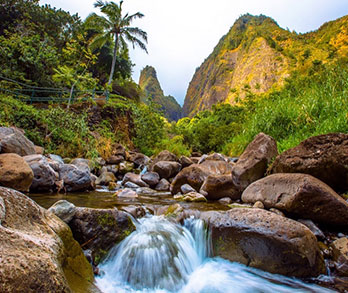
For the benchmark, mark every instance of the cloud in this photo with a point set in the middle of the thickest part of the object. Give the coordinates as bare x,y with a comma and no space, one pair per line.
183,33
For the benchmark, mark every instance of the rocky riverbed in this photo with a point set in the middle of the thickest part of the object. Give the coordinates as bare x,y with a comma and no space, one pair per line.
282,213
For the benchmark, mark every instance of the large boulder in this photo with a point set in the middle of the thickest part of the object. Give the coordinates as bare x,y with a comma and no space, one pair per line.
15,172
252,164
266,241
324,157
64,210
301,195
167,169
100,229
134,178
45,177
151,178
37,250
12,140
185,161
75,179
196,174
138,159
219,186
165,156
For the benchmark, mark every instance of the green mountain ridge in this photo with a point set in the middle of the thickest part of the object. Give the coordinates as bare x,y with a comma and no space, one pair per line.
148,81
257,56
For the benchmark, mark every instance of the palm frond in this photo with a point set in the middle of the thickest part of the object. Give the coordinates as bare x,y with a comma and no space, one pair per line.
137,32
99,41
97,22
135,41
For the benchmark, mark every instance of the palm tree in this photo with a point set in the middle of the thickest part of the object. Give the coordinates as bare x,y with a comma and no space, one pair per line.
115,27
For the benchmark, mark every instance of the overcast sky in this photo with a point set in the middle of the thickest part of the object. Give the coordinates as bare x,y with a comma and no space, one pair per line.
182,33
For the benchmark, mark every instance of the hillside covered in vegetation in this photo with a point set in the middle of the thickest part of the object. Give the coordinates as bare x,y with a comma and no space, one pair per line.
257,56
153,92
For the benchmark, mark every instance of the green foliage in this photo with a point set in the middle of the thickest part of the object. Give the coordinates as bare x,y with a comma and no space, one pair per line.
175,145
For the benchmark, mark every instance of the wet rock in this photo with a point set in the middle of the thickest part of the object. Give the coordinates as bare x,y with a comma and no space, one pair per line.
301,195
134,178
192,196
163,185
225,200
100,229
12,140
258,205
167,169
131,185
15,172
170,211
126,167
212,157
114,160
219,186
135,211
186,188
57,159
252,164
146,191
151,178
266,241
45,177
324,157
340,255
185,161
37,250
113,186
195,174
75,179
314,228
126,193
64,210
139,159
105,178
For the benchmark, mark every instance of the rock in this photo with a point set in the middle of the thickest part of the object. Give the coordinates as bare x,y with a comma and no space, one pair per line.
139,159
105,178
100,161
195,160
67,160
311,226
100,229
170,211
266,241
39,150
131,185
195,174
126,193
163,185
82,164
112,186
37,250
340,255
167,169
151,178
58,159
45,177
212,157
165,156
192,196
324,157
219,186
64,210
276,211
12,140
145,191
126,167
119,150
134,178
114,159
258,205
225,200
15,172
185,161
75,179
301,195
186,188
2,210
135,211
239,206
252,164
110,168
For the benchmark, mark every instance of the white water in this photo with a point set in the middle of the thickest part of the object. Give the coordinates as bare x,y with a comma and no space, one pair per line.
161,256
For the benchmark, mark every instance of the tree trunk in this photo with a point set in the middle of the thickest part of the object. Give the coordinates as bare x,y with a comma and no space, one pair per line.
113,60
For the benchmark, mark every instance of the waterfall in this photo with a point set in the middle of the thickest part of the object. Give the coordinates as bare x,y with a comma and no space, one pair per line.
163,256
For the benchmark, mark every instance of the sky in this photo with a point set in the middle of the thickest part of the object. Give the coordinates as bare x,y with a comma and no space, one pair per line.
182,33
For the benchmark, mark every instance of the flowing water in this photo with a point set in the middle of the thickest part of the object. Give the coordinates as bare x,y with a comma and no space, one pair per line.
162,256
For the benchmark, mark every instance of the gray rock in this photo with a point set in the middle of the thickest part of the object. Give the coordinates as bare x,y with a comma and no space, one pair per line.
258,205
218,186
115,159
126,193
186,188
163,185
135,211
56,158
2,210
151,178
314,228
131,185
134,178
105,178
167,169
185,161
12,140
225,200
64,210
75,179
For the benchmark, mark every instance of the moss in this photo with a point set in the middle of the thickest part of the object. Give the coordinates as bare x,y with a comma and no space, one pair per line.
106,219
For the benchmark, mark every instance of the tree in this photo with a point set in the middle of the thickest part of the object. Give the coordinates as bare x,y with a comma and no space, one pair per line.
115,27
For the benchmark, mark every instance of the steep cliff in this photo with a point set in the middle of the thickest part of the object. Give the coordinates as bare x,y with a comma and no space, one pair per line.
149,83
256,56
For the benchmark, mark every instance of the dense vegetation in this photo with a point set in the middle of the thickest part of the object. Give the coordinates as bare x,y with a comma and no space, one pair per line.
306,106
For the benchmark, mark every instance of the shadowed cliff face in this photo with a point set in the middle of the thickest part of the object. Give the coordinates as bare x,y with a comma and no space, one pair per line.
149,83
256,56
